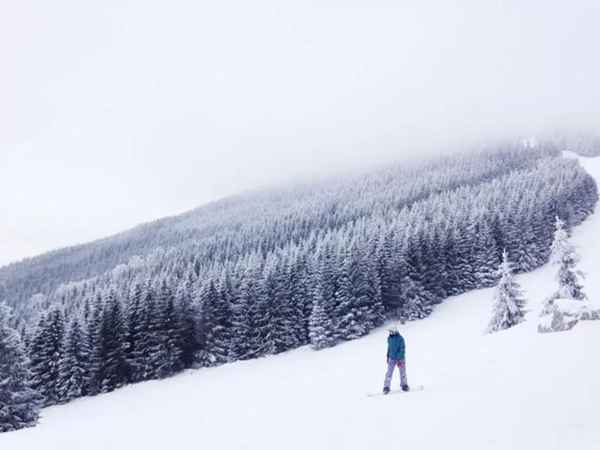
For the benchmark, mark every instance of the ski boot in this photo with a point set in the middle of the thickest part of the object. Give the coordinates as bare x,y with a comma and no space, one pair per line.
386,390
405,388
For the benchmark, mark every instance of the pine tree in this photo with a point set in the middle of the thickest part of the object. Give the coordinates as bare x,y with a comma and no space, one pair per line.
360,304
19,402
486,256
300,300
508,309
285,313
74,364
565,257
396,269
464,265
262,314
213,325
152,348
94,328
155,350
266,313
346,311
187,316
113,372
46,355
240,342
320,326
435,267
368,286
417,300
171,332
136,330
526,252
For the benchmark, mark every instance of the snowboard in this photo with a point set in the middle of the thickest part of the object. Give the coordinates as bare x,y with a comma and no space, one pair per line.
416,388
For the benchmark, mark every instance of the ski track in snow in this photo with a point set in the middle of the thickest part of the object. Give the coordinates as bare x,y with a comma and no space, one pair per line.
516,389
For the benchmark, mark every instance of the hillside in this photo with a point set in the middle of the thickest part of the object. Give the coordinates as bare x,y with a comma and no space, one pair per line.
516,389
268,221
269,272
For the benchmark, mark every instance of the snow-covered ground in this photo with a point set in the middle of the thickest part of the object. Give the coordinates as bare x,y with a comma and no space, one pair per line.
516,389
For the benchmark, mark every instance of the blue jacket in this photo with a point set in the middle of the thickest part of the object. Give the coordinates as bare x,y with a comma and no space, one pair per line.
396,346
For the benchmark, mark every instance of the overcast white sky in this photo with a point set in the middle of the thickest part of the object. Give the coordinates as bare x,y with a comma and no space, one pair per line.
114,113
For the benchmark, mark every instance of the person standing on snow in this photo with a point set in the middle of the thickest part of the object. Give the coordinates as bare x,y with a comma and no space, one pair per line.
395,357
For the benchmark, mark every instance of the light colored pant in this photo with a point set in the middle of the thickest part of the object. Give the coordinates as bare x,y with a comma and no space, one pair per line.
392,363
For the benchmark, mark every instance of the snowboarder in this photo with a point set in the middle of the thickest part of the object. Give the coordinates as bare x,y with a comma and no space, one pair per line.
395,357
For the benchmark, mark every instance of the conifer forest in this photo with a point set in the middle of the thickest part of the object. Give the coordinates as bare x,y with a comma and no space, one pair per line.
272,270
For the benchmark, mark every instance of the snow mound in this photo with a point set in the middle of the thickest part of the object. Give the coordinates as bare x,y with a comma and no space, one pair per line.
562,314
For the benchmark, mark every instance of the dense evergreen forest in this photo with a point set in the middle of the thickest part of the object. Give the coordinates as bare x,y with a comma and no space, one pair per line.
269,271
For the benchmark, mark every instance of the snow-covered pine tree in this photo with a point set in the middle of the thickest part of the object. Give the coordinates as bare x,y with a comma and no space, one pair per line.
277,326
94,327
508,309
526,256
154,346
74,364
19,402
433,278
284,328
414,301
262,314
172,338
451,281
566,258
207,327
486,255
325,276
240,344
387,267
368,287
299,276
344,313
145,338
113,373
417,300
46,355
364,310
398,270
135,321
213,325
320,325
464,264
187,315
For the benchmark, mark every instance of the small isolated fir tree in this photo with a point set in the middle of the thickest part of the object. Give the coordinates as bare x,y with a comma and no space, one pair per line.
19,403
564,256
509,304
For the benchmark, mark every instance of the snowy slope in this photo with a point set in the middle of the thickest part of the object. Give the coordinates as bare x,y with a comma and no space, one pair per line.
513,390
